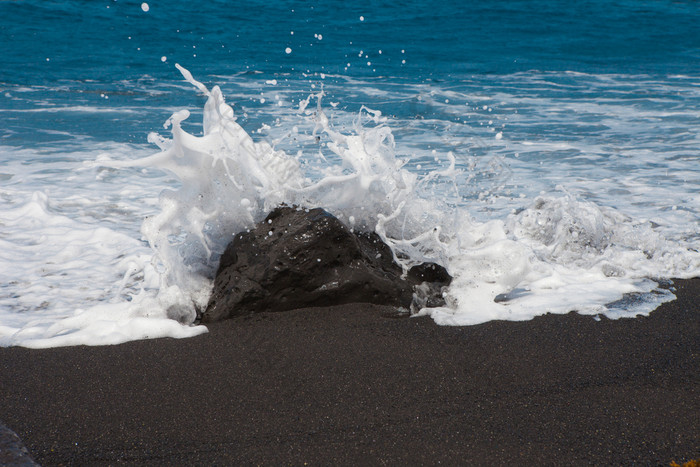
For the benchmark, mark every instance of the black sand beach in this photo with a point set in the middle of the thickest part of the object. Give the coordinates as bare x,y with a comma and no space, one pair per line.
350,385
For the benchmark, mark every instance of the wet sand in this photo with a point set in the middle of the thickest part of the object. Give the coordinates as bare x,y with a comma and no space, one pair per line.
352,385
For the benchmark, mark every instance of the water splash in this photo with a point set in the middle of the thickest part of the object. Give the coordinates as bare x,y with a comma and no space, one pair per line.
556,255
229,182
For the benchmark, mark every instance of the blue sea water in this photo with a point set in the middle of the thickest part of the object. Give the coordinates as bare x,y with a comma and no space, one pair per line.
572,129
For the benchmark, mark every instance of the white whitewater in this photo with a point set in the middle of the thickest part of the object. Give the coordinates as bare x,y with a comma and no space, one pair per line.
556,254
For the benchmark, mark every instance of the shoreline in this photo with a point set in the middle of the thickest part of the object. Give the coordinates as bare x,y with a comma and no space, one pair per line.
351,384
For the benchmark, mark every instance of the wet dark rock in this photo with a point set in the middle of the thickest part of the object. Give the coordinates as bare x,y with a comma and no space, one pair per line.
299,258
429,272
12,450
429,281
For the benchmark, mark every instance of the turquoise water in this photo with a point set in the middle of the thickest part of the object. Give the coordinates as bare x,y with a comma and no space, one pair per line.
112,40
74,53
573,127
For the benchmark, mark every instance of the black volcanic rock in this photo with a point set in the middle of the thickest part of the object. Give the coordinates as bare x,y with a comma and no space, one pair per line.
428,281
299,258
12,450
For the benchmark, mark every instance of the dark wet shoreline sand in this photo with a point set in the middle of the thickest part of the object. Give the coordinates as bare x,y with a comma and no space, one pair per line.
350,385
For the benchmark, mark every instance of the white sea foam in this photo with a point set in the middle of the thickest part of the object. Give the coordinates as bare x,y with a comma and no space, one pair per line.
72,267
557,255
485,207
67,262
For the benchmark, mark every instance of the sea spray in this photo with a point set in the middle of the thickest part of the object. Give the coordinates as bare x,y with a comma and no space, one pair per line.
556,254
228,182
561,250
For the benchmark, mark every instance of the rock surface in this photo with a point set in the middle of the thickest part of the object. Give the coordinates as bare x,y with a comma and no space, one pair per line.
299,258
12,450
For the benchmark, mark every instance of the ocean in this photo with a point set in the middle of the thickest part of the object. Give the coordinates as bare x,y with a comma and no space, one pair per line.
546,153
